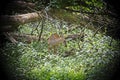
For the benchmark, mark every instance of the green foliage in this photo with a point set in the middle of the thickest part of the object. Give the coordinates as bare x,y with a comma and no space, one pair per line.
62,3
92,58
56,73
79,5
74,3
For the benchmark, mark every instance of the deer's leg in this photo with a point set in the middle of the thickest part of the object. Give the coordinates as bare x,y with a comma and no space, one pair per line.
65,43
55,50
49,48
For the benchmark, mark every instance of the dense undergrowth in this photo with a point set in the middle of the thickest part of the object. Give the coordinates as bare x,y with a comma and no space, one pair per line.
93,58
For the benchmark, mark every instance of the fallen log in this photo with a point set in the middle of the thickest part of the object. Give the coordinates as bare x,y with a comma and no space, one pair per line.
28,38
8,22
19,19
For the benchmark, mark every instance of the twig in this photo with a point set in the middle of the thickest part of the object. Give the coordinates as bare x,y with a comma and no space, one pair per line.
10,38
36,28
97,30
43,22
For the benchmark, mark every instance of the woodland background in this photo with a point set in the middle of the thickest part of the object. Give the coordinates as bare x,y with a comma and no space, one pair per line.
91,30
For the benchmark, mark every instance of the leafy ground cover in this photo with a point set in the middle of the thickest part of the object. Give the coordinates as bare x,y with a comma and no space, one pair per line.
93,58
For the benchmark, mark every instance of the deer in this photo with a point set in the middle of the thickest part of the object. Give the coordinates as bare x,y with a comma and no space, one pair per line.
54,41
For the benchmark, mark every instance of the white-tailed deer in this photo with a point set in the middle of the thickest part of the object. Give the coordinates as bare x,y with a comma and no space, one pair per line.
54,41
